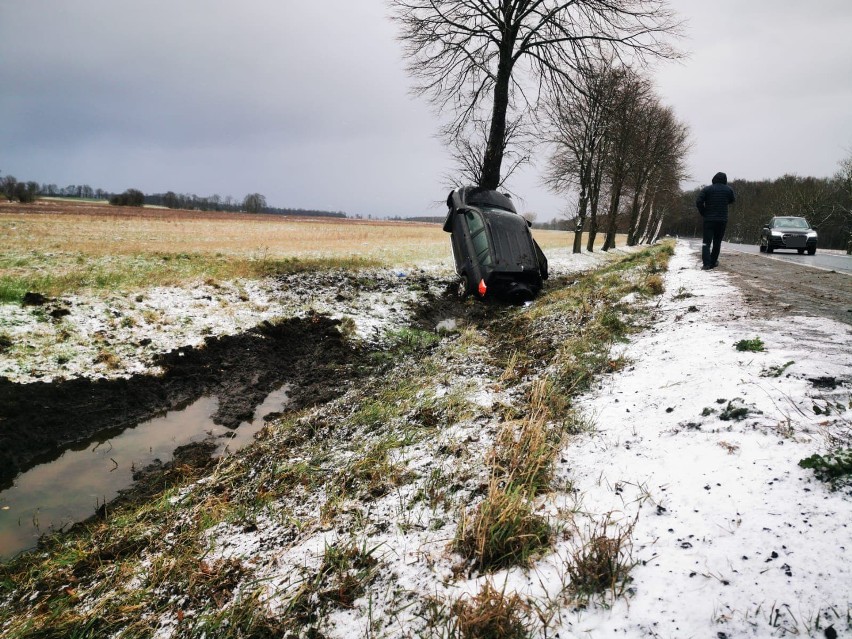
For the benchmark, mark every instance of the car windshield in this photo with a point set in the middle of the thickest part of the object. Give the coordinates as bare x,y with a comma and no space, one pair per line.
791,223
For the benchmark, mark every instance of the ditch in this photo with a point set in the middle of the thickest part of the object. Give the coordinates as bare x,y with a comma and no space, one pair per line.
68,447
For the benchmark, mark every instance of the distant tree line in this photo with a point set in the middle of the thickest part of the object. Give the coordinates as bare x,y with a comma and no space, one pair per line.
251,203
825,202
556,224
27,192
421,219
13,190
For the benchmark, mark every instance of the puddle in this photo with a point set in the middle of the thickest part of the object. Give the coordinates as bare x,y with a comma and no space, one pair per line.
54,495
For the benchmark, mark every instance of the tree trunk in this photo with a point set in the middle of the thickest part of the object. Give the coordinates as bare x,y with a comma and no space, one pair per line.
582,210
594,198
645,222
614,203
581,221
632,226
493,160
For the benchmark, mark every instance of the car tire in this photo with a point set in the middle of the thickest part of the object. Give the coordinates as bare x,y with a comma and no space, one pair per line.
769,248
462,289
762,247
801,251
812,251
466,287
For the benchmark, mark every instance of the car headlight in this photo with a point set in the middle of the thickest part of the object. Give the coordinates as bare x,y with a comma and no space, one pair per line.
812,234
776,234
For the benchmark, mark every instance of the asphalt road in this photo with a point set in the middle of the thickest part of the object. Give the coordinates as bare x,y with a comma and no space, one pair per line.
790,283
831,261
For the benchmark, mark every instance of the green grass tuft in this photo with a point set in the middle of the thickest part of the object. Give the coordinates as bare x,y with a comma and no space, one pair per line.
834,468
750,345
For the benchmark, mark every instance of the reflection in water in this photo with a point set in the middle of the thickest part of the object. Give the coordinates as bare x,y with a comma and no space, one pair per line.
54,495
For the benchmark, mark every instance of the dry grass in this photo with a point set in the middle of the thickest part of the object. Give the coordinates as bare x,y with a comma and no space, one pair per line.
491,615
96,230
237,235
56,247
503,531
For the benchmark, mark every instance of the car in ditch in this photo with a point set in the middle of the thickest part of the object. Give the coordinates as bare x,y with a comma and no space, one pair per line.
785,232
494,252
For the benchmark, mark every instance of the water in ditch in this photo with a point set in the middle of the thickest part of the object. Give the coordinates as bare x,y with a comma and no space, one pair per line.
54,495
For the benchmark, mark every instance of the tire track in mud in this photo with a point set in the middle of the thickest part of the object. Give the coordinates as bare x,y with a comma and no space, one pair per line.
39,420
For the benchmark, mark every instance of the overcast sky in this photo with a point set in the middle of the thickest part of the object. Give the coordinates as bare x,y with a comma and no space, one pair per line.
309,103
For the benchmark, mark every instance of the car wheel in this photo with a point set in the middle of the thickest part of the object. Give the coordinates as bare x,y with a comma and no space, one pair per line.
762,247
812,251
769,248
461,288
464,287
801,251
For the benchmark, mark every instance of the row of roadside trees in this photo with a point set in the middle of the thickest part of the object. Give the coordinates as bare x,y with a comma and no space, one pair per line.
621,149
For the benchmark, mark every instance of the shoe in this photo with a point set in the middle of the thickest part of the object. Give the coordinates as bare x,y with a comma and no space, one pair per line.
706,268
715,264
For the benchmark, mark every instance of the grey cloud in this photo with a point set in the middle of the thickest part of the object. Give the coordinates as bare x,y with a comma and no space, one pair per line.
308,103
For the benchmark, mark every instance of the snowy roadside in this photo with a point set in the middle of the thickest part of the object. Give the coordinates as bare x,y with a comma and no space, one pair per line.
732,536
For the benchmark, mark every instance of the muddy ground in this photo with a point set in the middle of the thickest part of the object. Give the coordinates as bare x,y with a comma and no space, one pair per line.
40,419
315,355
786,287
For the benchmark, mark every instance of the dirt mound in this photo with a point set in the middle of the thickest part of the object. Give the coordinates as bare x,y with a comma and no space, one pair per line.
38,419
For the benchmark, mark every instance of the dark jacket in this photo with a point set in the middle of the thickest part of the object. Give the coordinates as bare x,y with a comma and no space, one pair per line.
713,200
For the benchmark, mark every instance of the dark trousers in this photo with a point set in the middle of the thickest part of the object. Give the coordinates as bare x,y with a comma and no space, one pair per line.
714,231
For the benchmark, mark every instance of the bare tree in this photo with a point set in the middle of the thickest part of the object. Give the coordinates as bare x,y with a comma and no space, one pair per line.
470,143
486,61
26,192
254,203
8,184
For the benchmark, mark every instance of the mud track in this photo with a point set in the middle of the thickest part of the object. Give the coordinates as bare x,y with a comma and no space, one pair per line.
39,420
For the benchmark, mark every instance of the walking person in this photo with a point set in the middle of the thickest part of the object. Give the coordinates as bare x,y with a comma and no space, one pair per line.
713,203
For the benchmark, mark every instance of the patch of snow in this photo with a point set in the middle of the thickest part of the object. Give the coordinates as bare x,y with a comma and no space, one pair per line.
731,537
447,326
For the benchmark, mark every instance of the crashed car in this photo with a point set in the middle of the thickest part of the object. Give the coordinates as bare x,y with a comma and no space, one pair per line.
494,251
788,233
